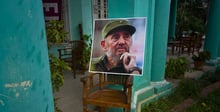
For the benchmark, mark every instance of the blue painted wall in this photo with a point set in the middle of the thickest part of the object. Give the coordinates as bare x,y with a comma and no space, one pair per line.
25,84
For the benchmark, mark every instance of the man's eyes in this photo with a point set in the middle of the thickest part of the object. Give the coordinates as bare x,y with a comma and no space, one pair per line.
117,36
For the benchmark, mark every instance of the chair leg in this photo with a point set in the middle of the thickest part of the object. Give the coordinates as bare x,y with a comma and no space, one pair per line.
74,74
85,108
127,110
74,71
173,49
102,109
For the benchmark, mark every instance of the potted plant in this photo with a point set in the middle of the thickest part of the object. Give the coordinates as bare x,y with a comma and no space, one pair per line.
200,58
176,67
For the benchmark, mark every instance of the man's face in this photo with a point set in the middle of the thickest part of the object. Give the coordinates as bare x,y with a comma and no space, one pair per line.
115,44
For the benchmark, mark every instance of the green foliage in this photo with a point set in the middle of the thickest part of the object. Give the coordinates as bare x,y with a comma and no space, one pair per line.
176,67
55,105
189,88
55,32
202,56
191,16
161,105
208,104
87,49
56,67
56,35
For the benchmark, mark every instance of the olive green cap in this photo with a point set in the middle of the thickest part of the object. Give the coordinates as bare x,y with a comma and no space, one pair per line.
116,25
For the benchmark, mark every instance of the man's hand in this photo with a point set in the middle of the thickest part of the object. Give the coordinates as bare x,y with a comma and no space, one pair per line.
129,60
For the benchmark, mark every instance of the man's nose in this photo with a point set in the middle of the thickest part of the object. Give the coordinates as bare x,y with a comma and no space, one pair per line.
121,40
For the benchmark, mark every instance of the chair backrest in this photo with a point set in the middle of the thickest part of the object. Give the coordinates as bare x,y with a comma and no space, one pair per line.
96,91
115,79
80,31
77,54
77,49
198,41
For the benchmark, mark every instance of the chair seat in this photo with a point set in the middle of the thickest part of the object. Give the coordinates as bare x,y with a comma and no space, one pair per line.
108,98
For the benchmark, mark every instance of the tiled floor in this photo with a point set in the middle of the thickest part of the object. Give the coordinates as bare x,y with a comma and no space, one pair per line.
70,94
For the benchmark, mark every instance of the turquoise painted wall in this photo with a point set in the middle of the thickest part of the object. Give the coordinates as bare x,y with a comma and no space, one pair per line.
123,9
145,8
157,13
25,84
87,19
75,13
80,13
120,8
137,8
172,21
161,24
212,40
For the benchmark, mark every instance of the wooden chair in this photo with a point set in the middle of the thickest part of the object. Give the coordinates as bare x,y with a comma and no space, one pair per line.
175,45
186,44
97,91
72,55
197,43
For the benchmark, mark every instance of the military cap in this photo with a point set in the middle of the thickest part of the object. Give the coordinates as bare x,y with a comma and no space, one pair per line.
116,25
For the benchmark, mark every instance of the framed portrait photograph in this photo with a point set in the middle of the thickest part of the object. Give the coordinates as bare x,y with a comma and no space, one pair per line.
118,46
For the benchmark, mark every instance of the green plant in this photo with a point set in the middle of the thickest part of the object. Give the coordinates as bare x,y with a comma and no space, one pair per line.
208,104
202,56
176,67
86,49
56,35
189,88
56,67
191,16
185,89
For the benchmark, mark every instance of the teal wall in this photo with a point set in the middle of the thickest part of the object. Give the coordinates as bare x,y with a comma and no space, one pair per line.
172,21
25,84
132,8
161,25
87,19
80,12
117,8
212,40
152,83
75,13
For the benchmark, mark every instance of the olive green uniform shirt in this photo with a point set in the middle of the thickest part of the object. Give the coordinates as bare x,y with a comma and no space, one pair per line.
99,65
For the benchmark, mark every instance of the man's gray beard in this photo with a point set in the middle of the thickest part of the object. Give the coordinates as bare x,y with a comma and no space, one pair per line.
115,58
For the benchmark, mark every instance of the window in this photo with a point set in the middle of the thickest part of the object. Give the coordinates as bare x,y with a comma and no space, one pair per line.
100,9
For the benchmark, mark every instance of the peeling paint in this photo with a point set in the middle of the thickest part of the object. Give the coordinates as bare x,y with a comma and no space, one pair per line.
24,84
14,86
2,103
17,94
30,15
